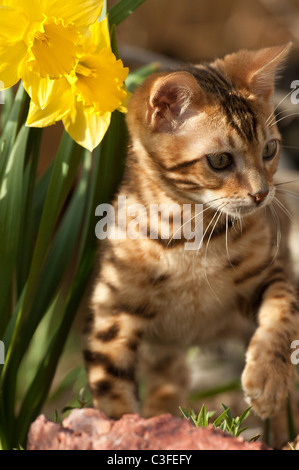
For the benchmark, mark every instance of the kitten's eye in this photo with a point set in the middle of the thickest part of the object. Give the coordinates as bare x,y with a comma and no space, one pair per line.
270,150
220,161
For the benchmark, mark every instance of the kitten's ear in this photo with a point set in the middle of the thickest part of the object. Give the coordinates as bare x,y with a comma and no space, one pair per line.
170,98
268,64
257,70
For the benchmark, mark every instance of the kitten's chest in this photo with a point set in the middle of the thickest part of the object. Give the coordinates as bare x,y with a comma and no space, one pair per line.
201,299
198,297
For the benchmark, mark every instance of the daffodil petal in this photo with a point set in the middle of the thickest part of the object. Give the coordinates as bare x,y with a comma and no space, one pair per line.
13,24
79,12
86,127
99,36
32,8
11,58
103,85
39,89
57,108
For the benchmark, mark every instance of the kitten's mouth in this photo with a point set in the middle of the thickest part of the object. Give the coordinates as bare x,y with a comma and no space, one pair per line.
242,206
246,209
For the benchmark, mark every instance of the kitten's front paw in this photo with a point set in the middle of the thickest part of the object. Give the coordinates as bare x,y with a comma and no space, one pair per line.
266,383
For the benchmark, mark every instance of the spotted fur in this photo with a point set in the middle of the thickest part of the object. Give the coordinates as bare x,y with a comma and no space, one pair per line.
153,299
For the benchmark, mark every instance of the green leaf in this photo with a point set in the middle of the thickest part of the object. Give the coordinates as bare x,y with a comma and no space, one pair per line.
245,414
229,418
184,412
108,166
235,385
290,419
26,242
6,106
121,10
9,133
210,414
135,78
11,198
239,431
202,417
62,177
40,386
219,419
63,174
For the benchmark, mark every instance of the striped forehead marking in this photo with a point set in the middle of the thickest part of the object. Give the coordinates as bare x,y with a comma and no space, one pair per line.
238,112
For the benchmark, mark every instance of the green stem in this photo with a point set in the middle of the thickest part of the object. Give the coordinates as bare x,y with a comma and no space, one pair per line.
291,427
231,386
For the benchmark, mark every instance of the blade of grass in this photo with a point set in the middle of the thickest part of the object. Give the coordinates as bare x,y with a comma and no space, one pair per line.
219,419
228,416
202,418
245,414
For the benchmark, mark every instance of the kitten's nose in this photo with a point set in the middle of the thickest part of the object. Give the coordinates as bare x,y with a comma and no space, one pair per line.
259,197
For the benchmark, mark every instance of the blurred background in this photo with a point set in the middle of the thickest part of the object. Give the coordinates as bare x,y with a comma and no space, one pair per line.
175,31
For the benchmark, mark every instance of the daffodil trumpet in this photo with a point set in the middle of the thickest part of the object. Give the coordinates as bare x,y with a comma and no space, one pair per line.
63,55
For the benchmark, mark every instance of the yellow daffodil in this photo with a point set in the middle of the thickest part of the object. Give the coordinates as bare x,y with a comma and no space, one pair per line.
86,97
40,41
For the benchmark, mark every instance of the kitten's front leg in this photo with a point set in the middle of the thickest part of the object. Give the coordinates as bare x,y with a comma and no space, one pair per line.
269,373
111,359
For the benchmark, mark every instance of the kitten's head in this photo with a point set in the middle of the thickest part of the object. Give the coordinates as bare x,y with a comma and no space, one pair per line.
208,132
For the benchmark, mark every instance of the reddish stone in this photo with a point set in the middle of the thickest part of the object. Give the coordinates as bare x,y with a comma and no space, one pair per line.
88,429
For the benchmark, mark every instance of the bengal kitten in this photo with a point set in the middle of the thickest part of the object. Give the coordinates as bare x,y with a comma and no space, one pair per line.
202,135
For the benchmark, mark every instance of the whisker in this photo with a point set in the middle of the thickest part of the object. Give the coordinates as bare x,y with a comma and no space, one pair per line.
286,182
240,220
289,147
278,231
210,236
185,223
284,117
286,212
274,118
280,102
288,192
226,241
192,218
211,221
